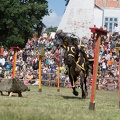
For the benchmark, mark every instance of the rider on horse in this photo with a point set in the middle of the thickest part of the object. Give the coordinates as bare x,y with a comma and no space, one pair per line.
71,39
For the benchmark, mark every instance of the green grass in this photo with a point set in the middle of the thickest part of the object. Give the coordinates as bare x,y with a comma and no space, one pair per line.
52,105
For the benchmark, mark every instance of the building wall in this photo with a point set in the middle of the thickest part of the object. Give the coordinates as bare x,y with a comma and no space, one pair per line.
113,13
110,12
98,14
78,18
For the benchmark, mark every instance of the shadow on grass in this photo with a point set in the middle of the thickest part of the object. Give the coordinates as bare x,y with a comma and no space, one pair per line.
71,97
74,97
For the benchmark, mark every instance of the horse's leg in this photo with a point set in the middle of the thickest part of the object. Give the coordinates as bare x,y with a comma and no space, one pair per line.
74,91
82,84
73,85
85,81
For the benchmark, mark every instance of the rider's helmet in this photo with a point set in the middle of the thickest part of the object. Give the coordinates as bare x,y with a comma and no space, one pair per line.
59,33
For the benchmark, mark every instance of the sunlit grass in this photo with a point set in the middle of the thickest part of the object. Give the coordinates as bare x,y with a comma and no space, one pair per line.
52,105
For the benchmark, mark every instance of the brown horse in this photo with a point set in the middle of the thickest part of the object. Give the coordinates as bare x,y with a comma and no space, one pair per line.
76,69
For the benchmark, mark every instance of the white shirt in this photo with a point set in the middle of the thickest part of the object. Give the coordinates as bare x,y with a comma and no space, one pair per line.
2,61
104,65
107,57
116,29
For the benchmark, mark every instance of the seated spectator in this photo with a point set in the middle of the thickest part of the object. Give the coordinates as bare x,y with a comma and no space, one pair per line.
53,68
29,78
118,44
102,84
45,71
110,84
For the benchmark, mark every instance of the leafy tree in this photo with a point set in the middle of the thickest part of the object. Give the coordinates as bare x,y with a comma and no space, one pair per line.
51,29
67,1
19,19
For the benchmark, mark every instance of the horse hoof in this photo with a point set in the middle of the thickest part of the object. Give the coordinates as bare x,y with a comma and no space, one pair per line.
83,97
86,93
75,93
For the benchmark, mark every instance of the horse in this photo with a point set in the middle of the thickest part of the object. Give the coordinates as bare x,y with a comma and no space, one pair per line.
76,68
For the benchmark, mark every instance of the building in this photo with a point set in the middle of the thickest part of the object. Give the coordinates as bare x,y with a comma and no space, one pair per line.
107,12
78,17
81,15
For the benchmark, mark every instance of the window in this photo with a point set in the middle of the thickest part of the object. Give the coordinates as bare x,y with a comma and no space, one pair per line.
110,23
111,19
106,19
115,19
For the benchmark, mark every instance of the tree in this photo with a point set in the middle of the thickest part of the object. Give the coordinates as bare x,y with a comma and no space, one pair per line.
19,19
51,29
67,1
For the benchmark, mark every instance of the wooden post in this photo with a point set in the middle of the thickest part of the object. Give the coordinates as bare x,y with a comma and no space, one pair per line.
40,53
15,49
40,72
58,78
99,32
118,48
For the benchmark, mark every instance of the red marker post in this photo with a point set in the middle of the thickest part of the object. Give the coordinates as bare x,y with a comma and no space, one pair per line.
118,48
99,32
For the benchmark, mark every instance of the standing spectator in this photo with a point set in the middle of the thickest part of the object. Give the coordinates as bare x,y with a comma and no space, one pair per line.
105,27
2,60
8,67
107,57
2,50
24,55
5,55
110,63
35,63
116,29
1,73
104,67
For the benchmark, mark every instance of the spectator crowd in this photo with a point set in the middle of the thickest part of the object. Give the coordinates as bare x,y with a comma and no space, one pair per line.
27,60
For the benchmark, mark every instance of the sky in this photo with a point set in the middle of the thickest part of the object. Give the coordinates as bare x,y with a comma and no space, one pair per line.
58,8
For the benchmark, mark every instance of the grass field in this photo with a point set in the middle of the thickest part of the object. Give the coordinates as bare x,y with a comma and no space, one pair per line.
52,105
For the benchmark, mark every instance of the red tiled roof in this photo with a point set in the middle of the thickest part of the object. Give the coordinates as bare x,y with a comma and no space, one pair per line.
108,3
99,3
